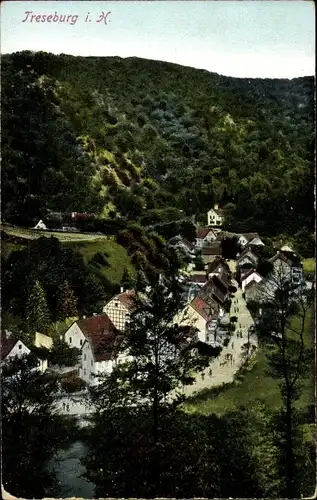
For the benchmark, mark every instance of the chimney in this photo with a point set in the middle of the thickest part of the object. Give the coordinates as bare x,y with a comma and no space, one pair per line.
7,334
95,314
121,289
216,206
84,317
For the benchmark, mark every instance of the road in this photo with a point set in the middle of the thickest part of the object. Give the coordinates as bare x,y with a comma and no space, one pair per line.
222,371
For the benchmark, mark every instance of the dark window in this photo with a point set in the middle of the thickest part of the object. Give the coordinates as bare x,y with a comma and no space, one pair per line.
70,340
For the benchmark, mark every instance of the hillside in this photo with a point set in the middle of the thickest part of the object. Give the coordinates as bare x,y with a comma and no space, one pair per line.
124,136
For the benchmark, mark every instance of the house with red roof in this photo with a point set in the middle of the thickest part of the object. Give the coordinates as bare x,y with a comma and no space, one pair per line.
100,343
204,236
198,314
119,308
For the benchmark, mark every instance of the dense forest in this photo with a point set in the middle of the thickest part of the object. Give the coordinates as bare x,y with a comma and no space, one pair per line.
153,141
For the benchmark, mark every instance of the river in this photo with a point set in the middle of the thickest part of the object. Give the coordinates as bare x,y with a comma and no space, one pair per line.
68,469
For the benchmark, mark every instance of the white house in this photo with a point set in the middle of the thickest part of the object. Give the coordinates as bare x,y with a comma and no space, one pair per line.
99,341
42,340
204,236
11,347
215,216
119,308
250,239
250,277
40,225
247,257
197,314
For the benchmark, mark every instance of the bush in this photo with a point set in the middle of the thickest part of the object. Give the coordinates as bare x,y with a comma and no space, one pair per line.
73,384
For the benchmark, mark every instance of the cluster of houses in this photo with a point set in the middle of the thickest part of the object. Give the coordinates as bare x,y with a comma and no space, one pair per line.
208,293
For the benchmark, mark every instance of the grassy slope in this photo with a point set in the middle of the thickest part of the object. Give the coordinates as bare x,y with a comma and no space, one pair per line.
257,386
115,255
309,265
87,244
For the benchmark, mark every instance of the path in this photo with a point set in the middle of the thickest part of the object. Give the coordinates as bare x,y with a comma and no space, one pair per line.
224,373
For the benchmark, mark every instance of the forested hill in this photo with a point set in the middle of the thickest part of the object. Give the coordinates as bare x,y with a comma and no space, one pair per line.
145,139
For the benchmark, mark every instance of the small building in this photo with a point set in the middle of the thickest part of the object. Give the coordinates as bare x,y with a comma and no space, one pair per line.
198,278
204,236
197,314
119,308
217,268
100,343
247,257
250,239
215,216
40,225
12,346
42,340
211,252
251,276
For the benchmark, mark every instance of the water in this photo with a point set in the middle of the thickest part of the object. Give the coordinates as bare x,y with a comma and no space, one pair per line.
68,469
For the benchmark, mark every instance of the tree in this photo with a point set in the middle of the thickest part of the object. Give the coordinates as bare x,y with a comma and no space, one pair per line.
283,309
66,302
164,356
63,355
37,312
230,247
31,430
127,280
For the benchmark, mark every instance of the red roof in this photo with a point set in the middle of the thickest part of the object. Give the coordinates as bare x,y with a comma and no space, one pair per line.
212,249
102,335
7,345
197,278
202,308
202,232
126,299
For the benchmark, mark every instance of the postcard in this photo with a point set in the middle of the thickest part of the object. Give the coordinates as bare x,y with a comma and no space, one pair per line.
158,249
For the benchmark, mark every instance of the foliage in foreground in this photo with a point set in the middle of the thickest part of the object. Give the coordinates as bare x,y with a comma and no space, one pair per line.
32,432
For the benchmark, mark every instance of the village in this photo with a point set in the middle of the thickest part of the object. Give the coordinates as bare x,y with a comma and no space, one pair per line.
217,292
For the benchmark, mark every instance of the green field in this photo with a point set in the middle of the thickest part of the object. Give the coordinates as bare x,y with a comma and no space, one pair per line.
257,386
114,256
31,234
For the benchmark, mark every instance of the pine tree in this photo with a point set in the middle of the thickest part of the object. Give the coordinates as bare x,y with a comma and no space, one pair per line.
37,312
127,280
66,301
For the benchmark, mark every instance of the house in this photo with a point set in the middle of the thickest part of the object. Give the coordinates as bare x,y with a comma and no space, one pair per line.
82,216
11,346
42,340
182,244
250,239
40,225
100,343
211,252
119,308
248,278
215,293
288,263
217,268
198,278
204,236
197,314
215,216
247,257
251,290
